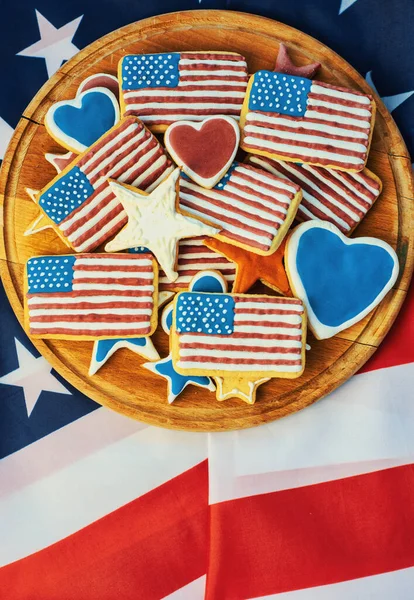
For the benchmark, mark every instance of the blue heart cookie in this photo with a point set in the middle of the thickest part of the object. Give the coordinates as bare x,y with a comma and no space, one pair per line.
76,124
340,280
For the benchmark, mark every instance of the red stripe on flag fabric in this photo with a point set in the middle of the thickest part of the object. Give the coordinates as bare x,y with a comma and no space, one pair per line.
143,551
312,536
398,346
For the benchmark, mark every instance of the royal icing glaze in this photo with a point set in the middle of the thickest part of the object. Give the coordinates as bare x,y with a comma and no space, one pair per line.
79,123
80,202
296,119
284,64
175,86
341,198
204,151
153,222
100,80
252,208
60,161
251,267
91,296
340,280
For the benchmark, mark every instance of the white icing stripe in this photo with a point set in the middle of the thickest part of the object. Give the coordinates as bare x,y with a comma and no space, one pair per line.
117,274
313,114
89,205
100,287
151,169
242,304
115,261
92,221
362,181
90,326
151,92
273,208
174,105
85,299
243,342
153,119
288,319
88,243
255,329
213,82
110,144
226,63
319,89
241,205
300,124
360,112
163,176
240,354
263,178
237,368
217,73
311,152
324,209
45,312
116,166
192,242
314,139
353,189
197,254
244,234
221,212
269,167
331,184
302,176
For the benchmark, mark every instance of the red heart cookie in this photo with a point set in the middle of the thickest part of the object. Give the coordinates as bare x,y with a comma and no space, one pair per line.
205,150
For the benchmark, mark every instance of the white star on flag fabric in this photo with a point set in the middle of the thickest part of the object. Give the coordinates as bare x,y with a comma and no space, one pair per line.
345,4
391,102
34,376
55,44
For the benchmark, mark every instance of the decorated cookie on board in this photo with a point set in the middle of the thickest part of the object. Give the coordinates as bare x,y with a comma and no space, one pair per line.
100,80
181,86
91,296
155,223
165,368
79,201
204,151
252,208
240,340
341,198
292,118
339,280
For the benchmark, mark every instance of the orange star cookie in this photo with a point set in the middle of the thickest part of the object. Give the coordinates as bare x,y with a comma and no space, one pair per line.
251,267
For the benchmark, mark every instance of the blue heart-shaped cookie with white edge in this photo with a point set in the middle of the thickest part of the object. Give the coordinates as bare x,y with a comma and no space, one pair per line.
76,124
340,280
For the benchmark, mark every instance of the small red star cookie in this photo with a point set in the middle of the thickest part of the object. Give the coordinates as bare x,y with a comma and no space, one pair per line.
284,64
251,267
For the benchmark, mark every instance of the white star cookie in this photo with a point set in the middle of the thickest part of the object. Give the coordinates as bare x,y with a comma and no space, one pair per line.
154,222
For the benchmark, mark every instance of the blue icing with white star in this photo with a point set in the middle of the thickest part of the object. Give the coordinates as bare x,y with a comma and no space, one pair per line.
225,179
47,274
205,313
179,382
67,194
141,71
279,93
138,250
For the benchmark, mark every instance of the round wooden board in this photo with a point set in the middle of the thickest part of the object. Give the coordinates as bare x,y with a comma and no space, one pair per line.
122,384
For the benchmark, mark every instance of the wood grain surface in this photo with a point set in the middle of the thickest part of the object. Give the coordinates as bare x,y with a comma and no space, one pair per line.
122,384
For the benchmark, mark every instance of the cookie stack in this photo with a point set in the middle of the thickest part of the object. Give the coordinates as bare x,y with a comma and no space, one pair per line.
193,216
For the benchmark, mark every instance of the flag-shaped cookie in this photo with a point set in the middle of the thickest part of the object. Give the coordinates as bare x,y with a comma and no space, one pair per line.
253,208
91,296
296,119
341,198
79,201
241,340
163,88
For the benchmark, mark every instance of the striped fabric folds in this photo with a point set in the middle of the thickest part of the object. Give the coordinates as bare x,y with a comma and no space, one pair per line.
328,195
163,88
80,201
91,295
300,120
249,204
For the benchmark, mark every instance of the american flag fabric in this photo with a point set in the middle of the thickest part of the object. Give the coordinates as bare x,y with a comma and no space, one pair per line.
328,195
163,88
80,201
249,204
91,295
239,334
300,120
315,506
195,256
